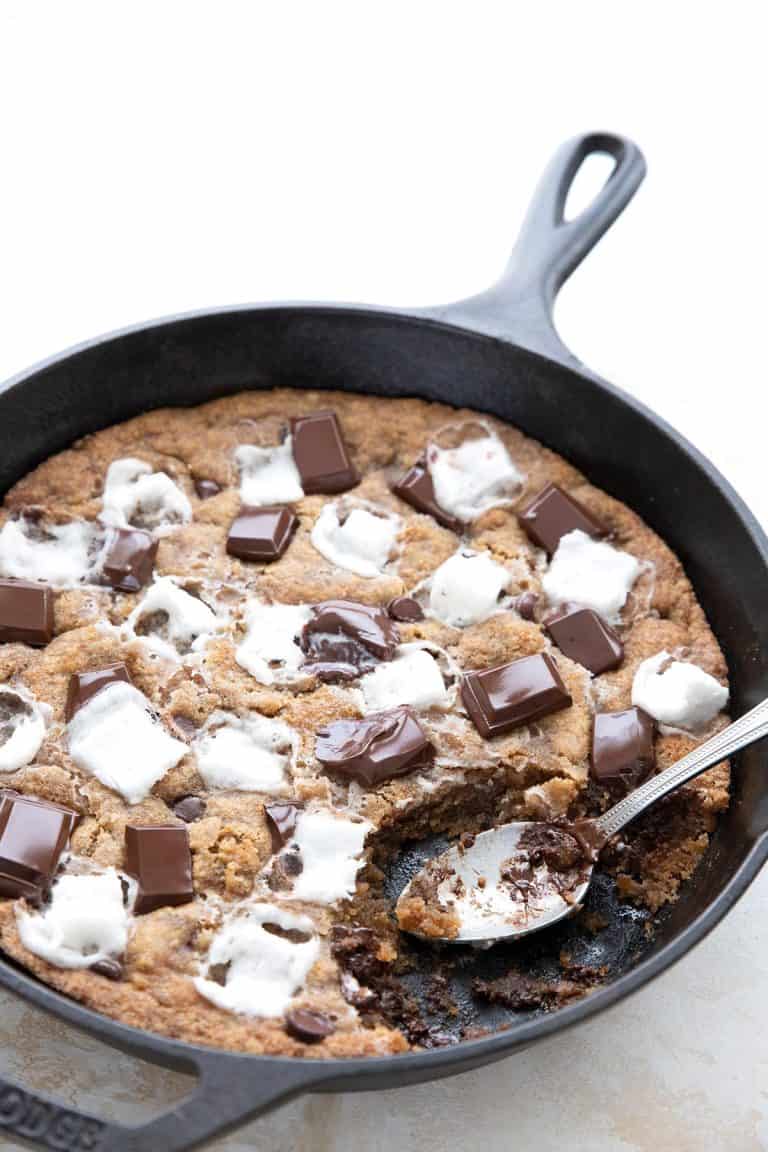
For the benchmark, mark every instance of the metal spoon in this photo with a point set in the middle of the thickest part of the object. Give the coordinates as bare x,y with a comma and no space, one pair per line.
482,906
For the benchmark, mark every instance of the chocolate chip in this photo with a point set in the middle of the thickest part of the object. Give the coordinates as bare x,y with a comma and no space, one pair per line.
84,685
583,636
405,609
281,821
189,808
552,514
26,612
343,638
261,534
184,725
207,488
416,488
525,605
218,973
129,558
509,695
321,455
622,746
310,1027
158,857
376,748
111,969
33,835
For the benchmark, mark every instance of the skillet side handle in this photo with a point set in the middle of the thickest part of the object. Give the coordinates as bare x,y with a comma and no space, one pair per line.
230,1090
519,307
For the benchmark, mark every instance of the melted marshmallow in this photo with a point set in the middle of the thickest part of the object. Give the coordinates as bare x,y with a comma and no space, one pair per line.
679,694
265,970
268,475
413,677
187,621
330,846
116,738
22,729
136,496
474,477
590,573
270,651
362,544
85,921
65,555
250,753
466,588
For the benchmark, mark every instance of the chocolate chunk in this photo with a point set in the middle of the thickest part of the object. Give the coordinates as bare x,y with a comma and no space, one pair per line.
158,856
189,808
281,821
184,725
84,685
376,748
508,695
310,1027
207,488
129,558
33,835
583,636
321,455
553,514
111,969
405,609
343,638
416,488
26,612
622,746
525,605
261,533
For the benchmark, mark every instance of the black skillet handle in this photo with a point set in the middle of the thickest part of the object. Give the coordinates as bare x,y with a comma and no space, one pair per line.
519,307
230,1090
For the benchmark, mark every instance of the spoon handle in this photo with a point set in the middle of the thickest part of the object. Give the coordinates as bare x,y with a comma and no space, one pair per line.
750,727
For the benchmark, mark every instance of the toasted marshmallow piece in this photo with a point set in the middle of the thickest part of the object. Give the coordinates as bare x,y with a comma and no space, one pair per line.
363,544
590,573
474,477
268,475
188,621
265,970
330,846
677,693
22,730
465,589
63,555
413,677
270,650
249,753
85,921
116,737
136,497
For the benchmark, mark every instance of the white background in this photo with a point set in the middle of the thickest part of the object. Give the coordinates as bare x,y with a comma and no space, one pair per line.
163,156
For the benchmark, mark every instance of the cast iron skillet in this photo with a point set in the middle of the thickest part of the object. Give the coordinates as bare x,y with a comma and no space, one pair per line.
497,352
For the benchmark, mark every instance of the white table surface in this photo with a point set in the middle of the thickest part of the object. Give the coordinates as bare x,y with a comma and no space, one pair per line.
164,157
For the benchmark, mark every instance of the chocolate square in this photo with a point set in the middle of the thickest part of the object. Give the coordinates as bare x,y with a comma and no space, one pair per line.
622,746
26,612
129,558
501,698
33,835
343,638
376,748
321,455
417,489
583,636
281,821
158,856
84,685
261,534
553,514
